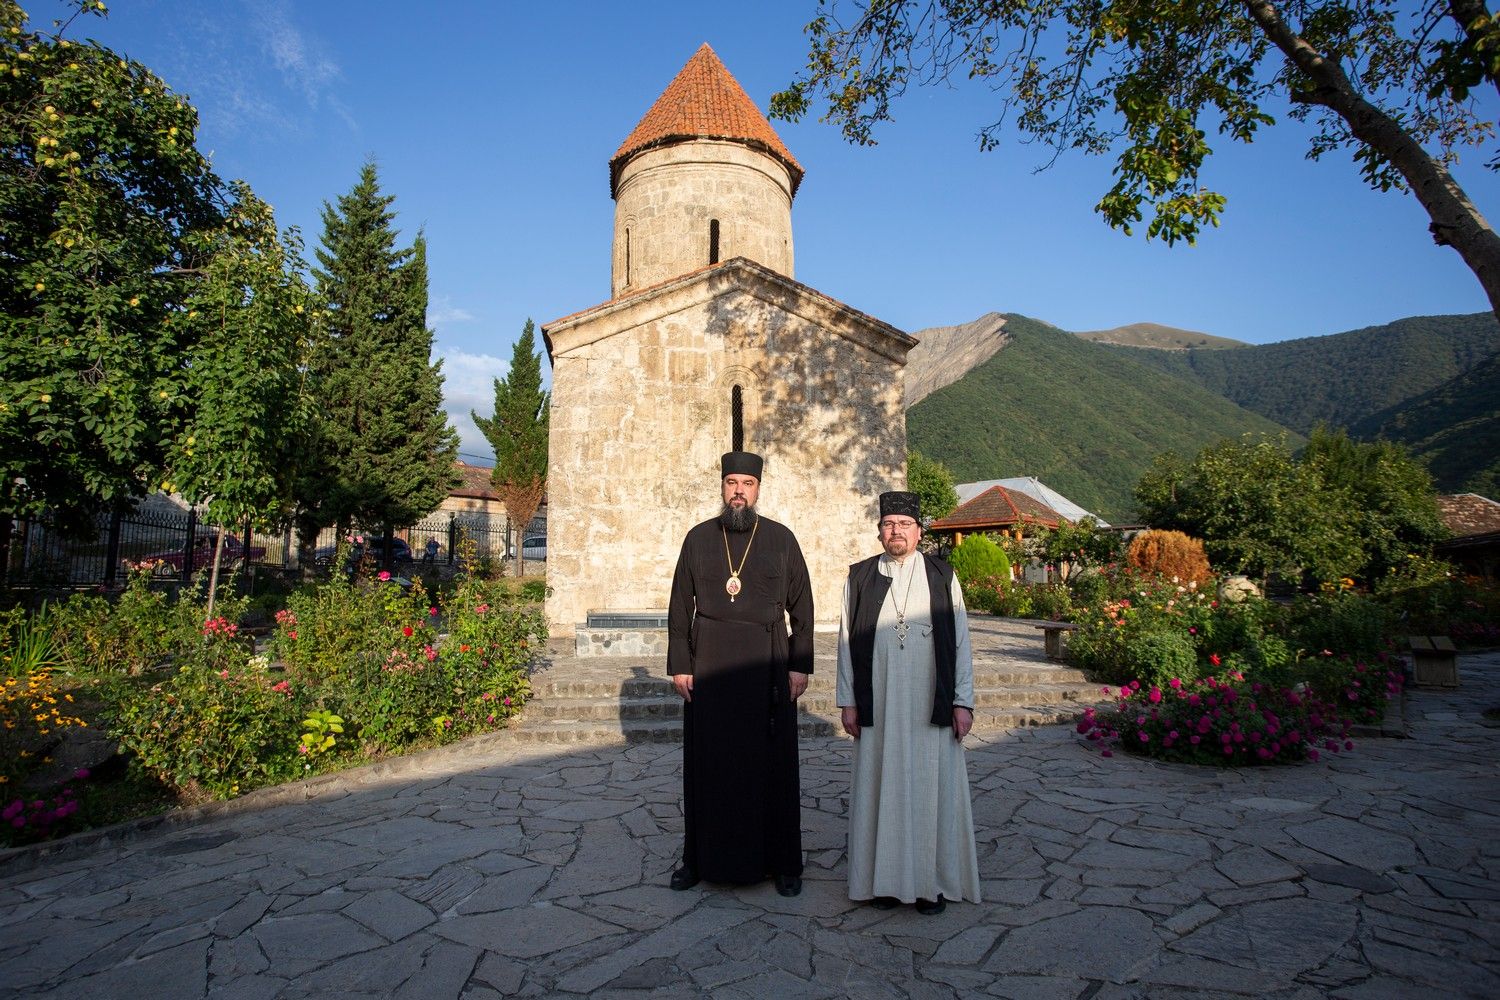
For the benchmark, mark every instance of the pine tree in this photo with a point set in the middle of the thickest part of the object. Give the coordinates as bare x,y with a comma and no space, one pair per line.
383,453
518,433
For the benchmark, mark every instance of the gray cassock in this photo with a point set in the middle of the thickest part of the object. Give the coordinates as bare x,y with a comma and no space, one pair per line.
911,824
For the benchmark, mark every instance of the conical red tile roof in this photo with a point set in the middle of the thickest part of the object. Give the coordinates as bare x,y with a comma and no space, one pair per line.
704,102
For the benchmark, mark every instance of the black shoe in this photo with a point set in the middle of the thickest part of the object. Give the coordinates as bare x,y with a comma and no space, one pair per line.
928,908
789,885
885,902
684,878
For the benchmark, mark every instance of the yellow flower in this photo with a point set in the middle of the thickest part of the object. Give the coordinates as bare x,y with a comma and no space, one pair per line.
46,397
40,286
135,302
162,394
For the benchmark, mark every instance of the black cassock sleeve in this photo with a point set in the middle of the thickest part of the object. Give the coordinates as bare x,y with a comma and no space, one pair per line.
799,608
680,615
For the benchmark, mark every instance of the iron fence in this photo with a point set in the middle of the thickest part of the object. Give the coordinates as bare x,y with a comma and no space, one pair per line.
181,545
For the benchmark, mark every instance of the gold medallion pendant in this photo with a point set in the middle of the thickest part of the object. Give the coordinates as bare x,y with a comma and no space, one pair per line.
732,585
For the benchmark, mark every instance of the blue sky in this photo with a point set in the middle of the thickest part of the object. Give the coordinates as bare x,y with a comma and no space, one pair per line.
493,123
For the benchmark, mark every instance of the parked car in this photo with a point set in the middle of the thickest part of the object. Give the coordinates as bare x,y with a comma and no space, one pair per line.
169,561
533,548
374,546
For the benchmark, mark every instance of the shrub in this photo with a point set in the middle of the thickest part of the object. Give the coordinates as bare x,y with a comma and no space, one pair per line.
218,726
1171,555
1342,622
976,558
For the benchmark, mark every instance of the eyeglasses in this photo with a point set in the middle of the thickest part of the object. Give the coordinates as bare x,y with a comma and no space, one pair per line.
897,525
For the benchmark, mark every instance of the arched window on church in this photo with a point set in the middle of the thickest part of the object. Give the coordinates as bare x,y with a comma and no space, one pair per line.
713,241
737,419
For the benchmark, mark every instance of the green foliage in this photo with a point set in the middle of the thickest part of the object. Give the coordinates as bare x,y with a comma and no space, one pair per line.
1258,511
381,452
931,481
1091,443
1389,497
320,732
136,631
518,432
215,727
1075,547
1145,81
109,216
1341,621
979,558
27,644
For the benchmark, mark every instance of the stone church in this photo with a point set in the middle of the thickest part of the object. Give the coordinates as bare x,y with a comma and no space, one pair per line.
708,344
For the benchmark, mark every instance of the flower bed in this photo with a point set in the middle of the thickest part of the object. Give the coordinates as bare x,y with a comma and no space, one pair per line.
356,669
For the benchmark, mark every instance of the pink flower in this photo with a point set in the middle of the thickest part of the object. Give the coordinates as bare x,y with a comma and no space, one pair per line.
1144,736
1194,739
1192,630
431,653
223,675
432,612
490,719
1154,696
1174,684
385,575
292,634
1214,659
81,773
507,701
406,630
1312,755
481,609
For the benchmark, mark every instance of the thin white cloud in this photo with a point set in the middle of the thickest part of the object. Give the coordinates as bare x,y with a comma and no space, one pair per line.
444,312
469,384
303,65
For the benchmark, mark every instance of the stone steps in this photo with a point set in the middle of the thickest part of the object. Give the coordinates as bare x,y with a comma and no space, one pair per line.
665,705
809,726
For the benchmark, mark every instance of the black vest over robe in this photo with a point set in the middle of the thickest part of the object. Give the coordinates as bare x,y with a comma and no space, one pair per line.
867,590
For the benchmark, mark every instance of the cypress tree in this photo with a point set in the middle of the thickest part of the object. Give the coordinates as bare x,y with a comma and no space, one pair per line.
518,432
384,453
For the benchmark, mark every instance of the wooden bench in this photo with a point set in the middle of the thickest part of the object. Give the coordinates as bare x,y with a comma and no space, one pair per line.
1434,661
1052,638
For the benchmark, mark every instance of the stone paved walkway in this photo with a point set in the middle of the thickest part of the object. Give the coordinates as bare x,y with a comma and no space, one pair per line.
499,868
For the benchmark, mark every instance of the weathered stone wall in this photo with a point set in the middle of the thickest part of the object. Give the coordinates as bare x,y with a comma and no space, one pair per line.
641,414
666,198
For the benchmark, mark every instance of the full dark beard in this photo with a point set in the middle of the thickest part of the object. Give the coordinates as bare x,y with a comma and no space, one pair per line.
737,518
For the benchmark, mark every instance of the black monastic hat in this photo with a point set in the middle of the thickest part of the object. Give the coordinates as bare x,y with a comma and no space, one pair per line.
740,463
900,503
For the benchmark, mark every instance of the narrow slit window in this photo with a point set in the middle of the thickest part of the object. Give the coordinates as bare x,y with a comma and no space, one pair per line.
737,419
713,241
627,255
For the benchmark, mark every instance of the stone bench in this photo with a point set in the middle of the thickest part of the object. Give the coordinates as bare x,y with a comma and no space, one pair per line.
1053,643
1434,660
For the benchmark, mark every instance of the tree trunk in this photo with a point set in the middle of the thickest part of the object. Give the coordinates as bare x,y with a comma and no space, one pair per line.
213,576
1456,221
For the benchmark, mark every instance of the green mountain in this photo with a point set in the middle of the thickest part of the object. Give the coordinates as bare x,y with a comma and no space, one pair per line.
1454,428
1342,379
1084,418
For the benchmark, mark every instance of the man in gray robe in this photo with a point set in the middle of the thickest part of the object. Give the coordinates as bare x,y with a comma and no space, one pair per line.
906,690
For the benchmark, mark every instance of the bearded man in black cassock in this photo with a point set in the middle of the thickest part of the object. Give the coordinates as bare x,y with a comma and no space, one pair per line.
740,671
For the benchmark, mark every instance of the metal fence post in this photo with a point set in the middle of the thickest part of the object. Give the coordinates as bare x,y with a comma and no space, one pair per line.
112,549
187,548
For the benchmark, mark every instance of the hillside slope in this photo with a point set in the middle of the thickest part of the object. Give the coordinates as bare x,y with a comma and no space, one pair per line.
1084,418
944,354
1162,338
1340,379
1454,429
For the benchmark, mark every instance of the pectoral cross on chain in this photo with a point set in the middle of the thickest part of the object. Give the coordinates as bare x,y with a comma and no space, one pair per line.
901,628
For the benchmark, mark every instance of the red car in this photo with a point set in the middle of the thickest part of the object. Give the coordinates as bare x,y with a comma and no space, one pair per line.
169,562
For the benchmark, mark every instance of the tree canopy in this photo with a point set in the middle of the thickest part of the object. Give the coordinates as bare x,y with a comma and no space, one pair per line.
931,481
151,317
1345,509
519,432
1147,81
383,452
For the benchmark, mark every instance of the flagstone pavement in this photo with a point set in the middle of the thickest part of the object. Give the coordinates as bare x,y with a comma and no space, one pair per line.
497,868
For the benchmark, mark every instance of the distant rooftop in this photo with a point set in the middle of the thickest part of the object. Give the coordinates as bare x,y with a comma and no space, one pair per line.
1037,490
998,507
1469,514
